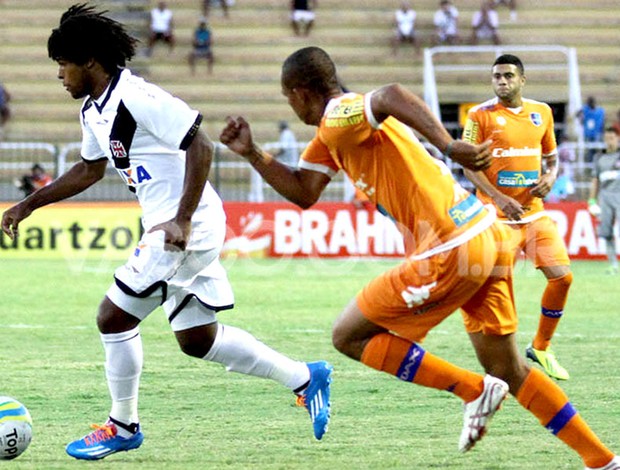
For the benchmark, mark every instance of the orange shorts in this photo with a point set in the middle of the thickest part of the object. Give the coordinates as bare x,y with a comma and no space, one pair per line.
540,241
414,297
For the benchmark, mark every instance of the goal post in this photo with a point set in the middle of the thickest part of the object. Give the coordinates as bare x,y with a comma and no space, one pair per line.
476,60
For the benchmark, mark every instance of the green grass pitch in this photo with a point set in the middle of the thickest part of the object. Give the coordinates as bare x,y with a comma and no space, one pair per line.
196,416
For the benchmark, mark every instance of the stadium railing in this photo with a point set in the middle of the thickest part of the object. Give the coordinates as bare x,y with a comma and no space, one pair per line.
231,176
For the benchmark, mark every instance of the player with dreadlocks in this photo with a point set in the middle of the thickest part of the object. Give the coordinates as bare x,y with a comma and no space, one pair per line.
155,143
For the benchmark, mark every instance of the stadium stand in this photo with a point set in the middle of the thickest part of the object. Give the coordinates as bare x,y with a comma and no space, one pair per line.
251,43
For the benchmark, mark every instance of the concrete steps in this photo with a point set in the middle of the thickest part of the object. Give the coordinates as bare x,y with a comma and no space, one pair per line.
251,44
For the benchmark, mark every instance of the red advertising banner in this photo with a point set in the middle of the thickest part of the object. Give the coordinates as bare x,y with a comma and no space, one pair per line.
339,229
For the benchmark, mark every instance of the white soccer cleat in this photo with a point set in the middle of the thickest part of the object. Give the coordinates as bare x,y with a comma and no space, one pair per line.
613,465
478,413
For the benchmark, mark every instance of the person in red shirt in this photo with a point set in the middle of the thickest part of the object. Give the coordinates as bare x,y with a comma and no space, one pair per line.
37,179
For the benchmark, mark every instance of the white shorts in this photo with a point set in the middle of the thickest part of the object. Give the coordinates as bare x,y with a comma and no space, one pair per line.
191,285
304,16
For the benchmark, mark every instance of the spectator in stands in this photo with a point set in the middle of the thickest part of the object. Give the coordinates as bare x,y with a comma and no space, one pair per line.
288,151
567,156
562,189
564,186
302,16
5,110
512,5
404,20
202,46
206,6
485,23
37,179
592,119
446,23
161,27
616,124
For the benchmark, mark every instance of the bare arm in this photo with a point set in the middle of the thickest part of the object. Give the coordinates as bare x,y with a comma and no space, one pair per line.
80,176
509,206
198,158
547,178
301,187
408,108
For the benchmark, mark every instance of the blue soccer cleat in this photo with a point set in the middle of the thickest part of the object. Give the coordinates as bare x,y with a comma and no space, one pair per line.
102,442
316,397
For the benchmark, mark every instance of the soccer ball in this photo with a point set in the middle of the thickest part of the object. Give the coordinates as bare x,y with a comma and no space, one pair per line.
15,428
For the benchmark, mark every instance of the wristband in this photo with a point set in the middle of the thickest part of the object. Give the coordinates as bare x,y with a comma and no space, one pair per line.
448,150
591,201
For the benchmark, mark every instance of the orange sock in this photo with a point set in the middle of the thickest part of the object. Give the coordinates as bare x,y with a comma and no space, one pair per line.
545,400
409,362
552,308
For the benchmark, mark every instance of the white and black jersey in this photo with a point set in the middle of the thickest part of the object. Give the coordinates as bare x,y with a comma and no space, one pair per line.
607,170
144,132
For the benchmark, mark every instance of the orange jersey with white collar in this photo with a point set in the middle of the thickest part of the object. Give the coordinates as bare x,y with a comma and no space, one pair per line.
520,138
388,163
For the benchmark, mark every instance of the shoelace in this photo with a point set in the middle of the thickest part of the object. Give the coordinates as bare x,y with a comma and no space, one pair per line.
301,401
101,433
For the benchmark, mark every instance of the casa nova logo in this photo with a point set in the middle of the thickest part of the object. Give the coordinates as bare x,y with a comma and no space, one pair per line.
517,179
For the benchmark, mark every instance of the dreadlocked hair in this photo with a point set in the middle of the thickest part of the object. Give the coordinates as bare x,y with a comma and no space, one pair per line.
84,34
310,68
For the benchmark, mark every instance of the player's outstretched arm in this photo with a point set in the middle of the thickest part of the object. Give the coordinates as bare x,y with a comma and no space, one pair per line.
300,186
80,176
395,100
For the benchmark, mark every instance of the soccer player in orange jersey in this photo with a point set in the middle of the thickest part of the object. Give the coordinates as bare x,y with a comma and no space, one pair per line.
457,253
523,171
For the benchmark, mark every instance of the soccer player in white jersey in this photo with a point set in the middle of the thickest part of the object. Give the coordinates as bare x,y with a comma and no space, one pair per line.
155,143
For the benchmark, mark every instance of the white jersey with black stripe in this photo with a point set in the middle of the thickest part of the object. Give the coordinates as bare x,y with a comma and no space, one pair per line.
143,131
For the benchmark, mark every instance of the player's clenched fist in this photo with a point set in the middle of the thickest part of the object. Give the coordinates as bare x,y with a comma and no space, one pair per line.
237,135
473,157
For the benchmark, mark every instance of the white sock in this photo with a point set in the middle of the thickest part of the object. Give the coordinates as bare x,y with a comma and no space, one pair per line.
239,351
123,366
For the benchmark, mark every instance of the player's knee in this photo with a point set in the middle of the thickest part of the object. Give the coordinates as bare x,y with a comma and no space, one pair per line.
112,319
339,338
347,343
194,348
609,238
343,342
513,373
351,332
196,342
564,282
